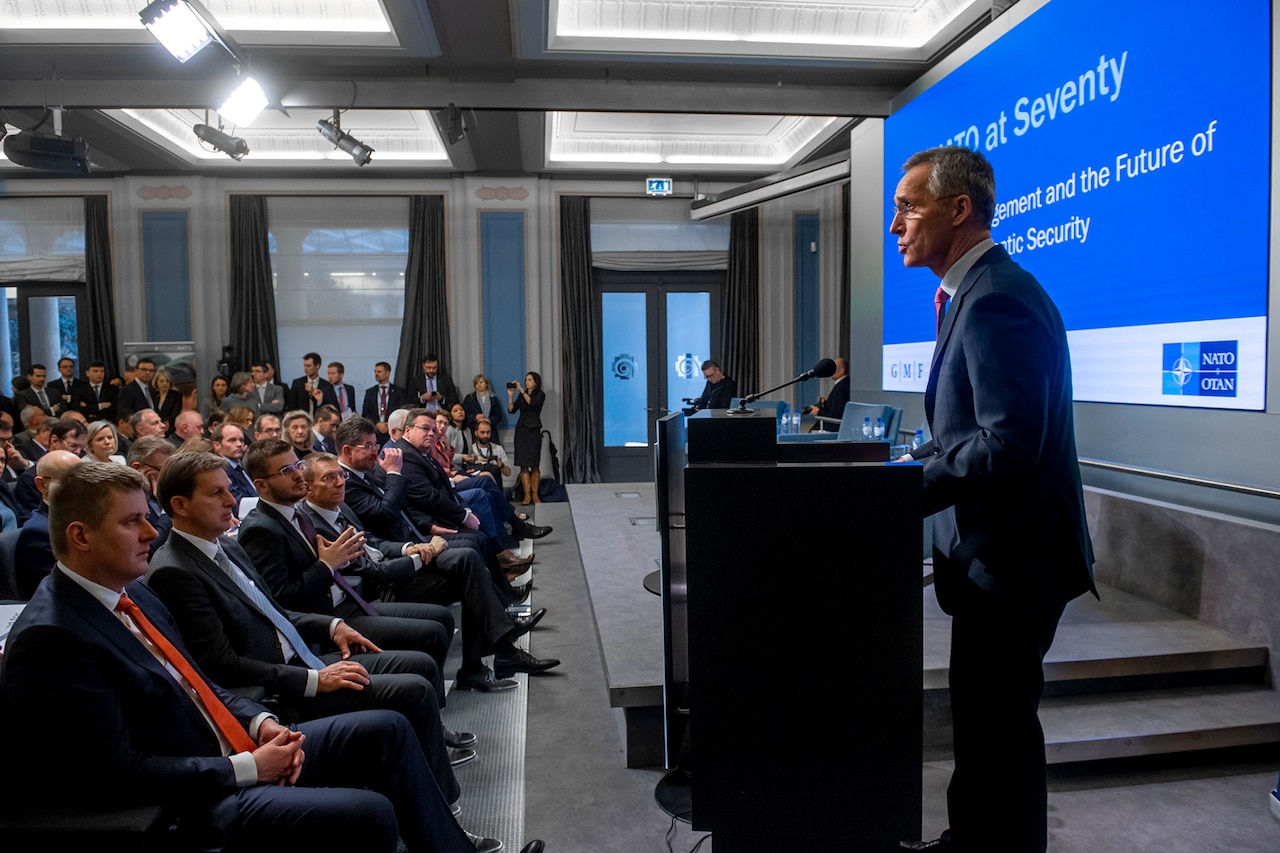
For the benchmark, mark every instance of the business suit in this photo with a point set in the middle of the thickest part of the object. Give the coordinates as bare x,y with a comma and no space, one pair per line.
374,411
457,574
26,497
444,385
270,398
136,396
169,408
299,398
833,405
238,646
71,666
160,520
60,392
1011,544
100,407
33,555
29,397
241,484
300,581
346,401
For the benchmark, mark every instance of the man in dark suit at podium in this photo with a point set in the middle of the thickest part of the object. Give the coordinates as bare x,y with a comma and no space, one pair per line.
1011,545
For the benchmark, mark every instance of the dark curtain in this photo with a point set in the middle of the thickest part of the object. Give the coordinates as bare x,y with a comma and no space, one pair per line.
100,332
426,303
740,334
580,349
846,284
253,297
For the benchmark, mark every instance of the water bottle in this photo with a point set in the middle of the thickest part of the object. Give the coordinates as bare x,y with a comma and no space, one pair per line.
879,429
918,441
866,429
795,421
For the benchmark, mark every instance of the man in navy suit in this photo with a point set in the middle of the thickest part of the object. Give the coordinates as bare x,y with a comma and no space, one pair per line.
1011,545
97,398
96,658
228,442
137,394
36,393
60,389
33,554
381,400
344,395
309,390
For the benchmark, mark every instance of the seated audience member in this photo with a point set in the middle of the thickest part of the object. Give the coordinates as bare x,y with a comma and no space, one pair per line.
327,419
196,444
215,417
301,568
297,432
218,389
486,455
124,430
267,426
168,399
14,464
97,399
76,416
100,444
381,400
96,656
148,456
137,393
456,431
243,417
64,434
376,494
428,572
270,395
396,421
187,425
229,443
241,637
34,440
33,556
241,393
482,401
832,405
344,395
719,391
147,422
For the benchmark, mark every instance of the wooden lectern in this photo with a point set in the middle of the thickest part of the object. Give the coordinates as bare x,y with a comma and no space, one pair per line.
795,579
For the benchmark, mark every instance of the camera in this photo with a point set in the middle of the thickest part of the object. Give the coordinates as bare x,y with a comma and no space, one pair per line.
512,385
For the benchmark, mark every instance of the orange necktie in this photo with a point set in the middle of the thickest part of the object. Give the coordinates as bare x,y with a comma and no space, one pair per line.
222,718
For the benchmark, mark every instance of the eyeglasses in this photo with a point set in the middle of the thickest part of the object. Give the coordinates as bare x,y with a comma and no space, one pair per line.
371,445
333,478
295,468
907,210
423,427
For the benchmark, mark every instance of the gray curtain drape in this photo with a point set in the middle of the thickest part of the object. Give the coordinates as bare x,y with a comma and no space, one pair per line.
844,346
740,332
426,301
580,349
100,331
253,296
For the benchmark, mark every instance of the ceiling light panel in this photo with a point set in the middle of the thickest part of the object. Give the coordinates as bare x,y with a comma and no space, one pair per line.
396,135
848,29
705,142
238,16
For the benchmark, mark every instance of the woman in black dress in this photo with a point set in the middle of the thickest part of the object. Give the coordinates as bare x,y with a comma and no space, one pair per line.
528,432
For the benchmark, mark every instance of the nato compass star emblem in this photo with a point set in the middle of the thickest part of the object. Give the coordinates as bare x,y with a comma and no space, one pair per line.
1182,370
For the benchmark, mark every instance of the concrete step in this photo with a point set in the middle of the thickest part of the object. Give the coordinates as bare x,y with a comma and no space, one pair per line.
1096,727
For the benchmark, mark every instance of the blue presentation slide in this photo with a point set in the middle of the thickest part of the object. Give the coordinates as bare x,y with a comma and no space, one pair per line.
1131,146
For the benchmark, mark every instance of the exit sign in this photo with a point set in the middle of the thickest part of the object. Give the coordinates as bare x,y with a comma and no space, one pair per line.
657,186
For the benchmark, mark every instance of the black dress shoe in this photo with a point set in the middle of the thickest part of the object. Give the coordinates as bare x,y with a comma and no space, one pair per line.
520,594
936,845
534,846
459,757
484,845
483,681
522,625
458,740
507,664
524,530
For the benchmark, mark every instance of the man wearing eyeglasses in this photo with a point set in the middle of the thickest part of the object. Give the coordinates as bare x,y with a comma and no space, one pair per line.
1011,545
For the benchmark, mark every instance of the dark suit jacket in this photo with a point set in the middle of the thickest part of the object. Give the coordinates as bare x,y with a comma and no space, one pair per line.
396,397
352,402
378,502
33,554
241,485
298,398
274,399
27,397
132,397
102,408
31,450
231,639
160,520
26,497
293,574
377,575
833,406
1004,473
429,494
58,387
418,387
170,408
497,411
72,666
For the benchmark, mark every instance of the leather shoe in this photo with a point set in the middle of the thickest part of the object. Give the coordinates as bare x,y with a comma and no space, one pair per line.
484,845
525,530
507,664
522,625
458,740
483,681
510,561
455,809
534,846
459,757
520,594
936,845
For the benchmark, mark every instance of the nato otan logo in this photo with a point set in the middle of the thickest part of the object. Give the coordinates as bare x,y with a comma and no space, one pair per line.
1201,369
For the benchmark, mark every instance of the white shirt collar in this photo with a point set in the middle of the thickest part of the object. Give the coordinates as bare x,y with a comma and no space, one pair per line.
955,275
209,549
329,515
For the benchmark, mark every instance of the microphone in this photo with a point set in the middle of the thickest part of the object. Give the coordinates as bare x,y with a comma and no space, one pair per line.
823,369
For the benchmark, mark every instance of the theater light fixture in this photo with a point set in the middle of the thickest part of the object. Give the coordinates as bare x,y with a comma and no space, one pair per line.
244,103
233,146
179,27
332,131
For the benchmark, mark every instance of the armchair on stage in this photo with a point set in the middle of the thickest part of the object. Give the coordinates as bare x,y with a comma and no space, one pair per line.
792,634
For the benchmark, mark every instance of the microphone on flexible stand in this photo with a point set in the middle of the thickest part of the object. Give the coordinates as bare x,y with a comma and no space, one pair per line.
823,369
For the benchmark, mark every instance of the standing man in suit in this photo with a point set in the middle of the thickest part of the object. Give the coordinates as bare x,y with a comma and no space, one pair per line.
66,382
270,395
137,394
344,394
381,400
36,394
309,390
1011,545
432,387
96,399
96,657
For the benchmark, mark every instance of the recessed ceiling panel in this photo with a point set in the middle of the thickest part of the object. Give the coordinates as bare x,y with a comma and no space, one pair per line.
832,29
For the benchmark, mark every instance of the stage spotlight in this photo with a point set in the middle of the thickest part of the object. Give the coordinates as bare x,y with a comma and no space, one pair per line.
244,104
177,26
333,132
233,146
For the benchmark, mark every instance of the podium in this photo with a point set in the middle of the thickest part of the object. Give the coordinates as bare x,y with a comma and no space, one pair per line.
793,621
